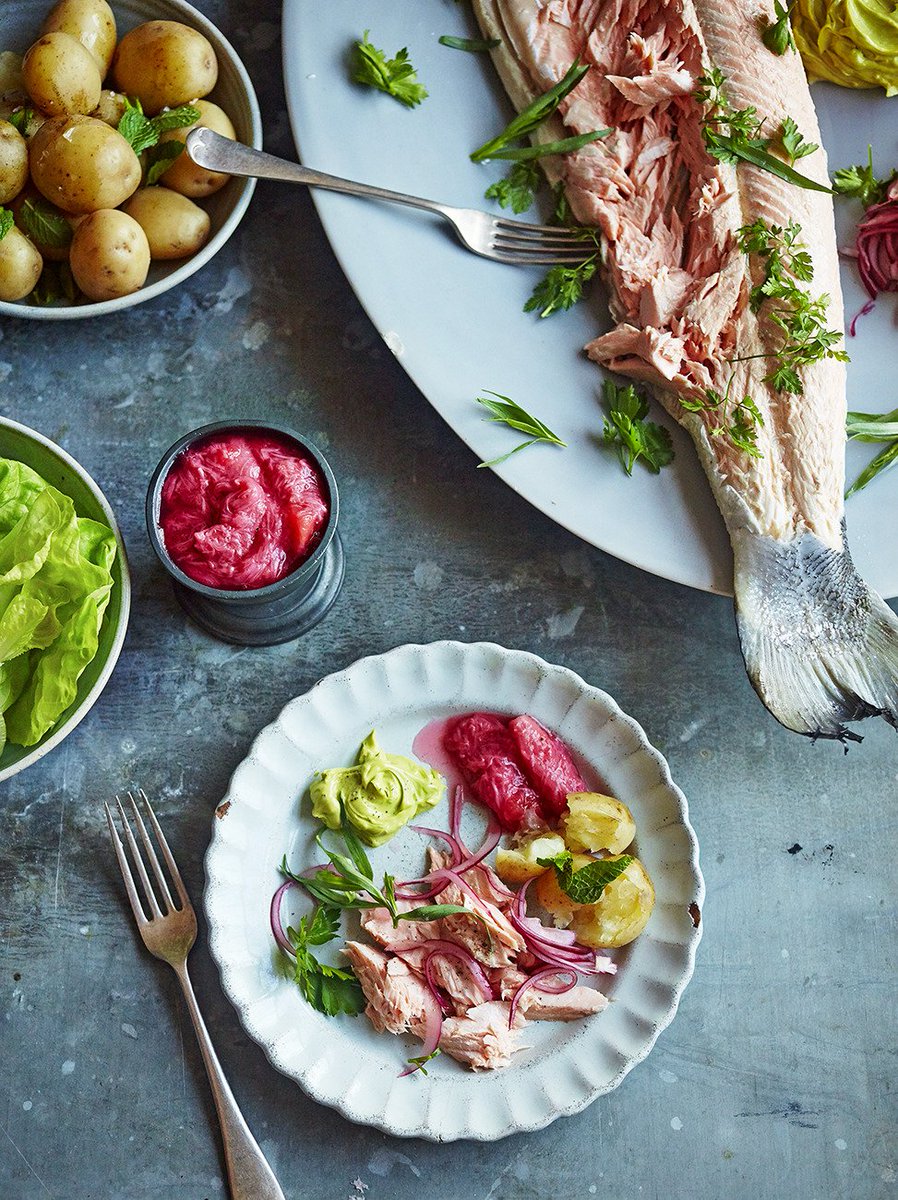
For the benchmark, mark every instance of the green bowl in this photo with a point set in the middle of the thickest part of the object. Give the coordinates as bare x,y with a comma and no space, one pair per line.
58,468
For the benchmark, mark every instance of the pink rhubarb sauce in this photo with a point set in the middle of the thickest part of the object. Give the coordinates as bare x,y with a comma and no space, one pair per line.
242,509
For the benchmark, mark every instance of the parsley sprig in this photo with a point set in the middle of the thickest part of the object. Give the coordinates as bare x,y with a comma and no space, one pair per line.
777,35
585,886
531,118
504,411
330,990
626,428
396,76
874,427
861,182
800,316
732,135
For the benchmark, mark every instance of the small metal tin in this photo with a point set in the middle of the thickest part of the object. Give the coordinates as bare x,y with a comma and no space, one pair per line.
278,612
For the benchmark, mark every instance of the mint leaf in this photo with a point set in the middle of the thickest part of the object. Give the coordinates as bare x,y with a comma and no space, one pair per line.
586,885
21,119
136,128
44,223
7,221
159,158
175,118
395,76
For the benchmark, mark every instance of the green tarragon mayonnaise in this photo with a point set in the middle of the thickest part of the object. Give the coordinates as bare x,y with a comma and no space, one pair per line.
379,794
851,42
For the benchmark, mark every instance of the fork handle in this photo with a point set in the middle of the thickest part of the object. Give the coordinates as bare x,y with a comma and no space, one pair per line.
249,1175
216,153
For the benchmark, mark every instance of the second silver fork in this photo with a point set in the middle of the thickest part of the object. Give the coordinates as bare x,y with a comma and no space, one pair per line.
168,932
515,242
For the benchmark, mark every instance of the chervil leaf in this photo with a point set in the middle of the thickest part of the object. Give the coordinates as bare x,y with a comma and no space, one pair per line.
395,76
328,989
516,190
585,886
861,182
627,430
561,288
792,141
7,221
504,411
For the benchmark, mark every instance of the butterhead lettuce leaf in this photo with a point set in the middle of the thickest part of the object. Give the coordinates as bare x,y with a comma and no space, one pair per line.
55,583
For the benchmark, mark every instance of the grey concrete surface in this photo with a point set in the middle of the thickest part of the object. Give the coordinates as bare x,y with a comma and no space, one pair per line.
777,1077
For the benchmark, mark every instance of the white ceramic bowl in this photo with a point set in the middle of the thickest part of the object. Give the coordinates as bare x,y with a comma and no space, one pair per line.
342,1061
20,26
58,468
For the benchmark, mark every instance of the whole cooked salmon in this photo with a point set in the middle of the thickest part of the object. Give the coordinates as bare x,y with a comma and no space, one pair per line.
820,647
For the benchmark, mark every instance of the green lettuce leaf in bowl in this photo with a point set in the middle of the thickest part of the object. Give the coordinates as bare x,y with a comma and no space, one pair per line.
55,583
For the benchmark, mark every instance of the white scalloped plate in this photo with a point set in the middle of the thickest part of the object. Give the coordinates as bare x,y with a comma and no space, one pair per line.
341,1061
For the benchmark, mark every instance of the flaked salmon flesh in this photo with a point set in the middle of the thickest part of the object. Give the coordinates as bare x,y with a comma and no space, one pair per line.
821,648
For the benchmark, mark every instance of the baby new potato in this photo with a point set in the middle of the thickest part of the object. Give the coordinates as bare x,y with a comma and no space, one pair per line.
82,165
519,863
164,64
60,76
111,108
110,255
90,22
184,175
20,266
175,226
618,916
621,913
596,822
13,162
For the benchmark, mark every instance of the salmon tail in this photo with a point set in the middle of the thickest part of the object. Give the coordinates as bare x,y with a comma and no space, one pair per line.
820,646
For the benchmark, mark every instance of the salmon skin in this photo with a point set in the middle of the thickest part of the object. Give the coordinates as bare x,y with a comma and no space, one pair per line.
820,647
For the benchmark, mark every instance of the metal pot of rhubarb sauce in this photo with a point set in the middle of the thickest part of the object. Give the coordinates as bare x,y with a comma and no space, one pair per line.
278,611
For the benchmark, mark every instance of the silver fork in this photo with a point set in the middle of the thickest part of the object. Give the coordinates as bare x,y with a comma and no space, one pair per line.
169,935
515,242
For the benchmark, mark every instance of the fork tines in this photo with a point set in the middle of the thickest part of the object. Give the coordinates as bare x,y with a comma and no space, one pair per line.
521,242
150,909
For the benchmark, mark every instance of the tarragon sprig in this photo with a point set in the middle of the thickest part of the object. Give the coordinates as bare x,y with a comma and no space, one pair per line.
504,411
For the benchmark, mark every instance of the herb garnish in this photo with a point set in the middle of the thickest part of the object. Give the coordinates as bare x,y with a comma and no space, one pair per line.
471,45
505,412
517,189
625,428
21,119
731,135
532,117
56,283
874,427
777,36
7,221
141,132
561,288
792,141
799,316
422,1059
861,182
585,886
741,420
330,990
395,76
349,883
44,223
